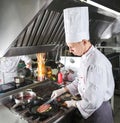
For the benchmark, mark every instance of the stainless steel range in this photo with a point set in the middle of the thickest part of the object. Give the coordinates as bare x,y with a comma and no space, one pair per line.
28,111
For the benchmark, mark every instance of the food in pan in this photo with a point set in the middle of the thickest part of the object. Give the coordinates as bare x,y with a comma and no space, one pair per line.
28,96
44,108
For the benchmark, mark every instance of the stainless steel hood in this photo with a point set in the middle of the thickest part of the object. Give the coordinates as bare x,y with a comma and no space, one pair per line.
15,17
45,29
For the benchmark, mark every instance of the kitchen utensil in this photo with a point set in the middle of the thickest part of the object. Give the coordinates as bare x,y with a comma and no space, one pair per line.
24,97
29,95
54,108
45,104
49,101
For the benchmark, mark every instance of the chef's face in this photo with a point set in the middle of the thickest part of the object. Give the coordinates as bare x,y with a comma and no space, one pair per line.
77,48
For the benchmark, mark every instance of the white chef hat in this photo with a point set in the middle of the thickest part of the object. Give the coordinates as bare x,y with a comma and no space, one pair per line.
76,23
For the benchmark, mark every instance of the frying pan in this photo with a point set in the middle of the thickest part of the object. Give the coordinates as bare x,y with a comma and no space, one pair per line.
34,108
54,108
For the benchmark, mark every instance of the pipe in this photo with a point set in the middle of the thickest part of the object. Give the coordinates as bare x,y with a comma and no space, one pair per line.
100,6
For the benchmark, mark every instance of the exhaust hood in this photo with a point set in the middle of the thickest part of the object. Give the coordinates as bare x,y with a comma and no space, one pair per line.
15,16
28,27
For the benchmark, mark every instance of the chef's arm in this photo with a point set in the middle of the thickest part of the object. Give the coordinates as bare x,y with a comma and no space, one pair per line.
66,89
72,88
62,90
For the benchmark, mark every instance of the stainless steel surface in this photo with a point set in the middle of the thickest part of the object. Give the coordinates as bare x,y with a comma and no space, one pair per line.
8,94
15,16
9,117
44,31
54,115
24,97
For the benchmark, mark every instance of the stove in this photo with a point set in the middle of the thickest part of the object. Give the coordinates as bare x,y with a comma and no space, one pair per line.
29,112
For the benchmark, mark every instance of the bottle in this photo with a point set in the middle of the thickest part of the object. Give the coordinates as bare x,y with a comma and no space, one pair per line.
60,78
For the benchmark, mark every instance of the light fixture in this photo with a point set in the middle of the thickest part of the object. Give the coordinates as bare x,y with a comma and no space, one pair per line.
101,7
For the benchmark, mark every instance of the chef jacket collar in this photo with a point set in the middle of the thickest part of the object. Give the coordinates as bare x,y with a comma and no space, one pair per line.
85,57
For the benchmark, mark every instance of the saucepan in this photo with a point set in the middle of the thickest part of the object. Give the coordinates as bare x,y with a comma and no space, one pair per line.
24,97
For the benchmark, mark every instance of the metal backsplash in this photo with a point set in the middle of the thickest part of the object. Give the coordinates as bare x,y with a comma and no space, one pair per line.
44,33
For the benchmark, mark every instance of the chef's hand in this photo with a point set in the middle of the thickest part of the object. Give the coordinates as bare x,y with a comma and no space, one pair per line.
71,103
57,93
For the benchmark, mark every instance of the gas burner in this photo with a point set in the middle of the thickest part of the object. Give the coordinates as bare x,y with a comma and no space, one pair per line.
34,117
28,114
29,111
43,117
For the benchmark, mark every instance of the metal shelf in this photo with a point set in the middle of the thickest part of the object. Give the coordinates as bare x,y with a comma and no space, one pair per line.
116,48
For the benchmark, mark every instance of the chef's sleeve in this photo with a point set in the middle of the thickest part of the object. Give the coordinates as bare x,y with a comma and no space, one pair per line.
73,87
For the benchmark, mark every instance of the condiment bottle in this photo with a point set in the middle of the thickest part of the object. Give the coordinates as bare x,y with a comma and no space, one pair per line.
60,78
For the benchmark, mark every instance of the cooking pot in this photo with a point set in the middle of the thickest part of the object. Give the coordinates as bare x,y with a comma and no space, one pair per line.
24,97
19,79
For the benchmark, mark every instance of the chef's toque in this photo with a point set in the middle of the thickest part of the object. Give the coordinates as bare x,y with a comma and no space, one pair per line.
76,23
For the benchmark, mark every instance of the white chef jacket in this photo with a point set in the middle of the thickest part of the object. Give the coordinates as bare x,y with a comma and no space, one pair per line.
94,82
8,67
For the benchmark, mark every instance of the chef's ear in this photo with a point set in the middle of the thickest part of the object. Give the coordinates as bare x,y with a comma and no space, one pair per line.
85,41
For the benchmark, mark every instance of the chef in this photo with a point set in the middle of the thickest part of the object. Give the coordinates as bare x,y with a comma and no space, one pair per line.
8,67
94,82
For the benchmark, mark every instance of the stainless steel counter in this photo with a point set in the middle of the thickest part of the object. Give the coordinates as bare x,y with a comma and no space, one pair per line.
7,116
43,90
